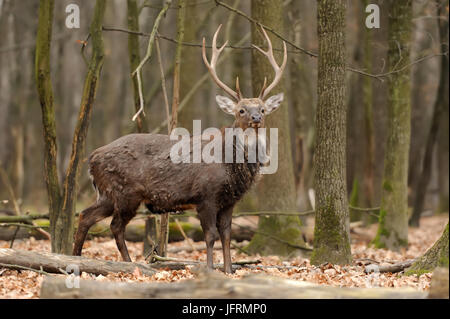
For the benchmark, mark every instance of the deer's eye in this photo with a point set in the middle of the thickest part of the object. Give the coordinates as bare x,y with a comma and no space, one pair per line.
242,111
262,111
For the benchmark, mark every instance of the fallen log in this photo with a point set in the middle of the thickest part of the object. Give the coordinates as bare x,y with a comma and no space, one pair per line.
55,263
10,232
133,232
214,285
393,268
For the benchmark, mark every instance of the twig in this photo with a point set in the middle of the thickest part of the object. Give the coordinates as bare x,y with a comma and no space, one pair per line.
177,222
412,63
83,46
17,210
315,55
220,3
22,225
14,237
148,55
8,186
189,44
15,267
163,84
379,76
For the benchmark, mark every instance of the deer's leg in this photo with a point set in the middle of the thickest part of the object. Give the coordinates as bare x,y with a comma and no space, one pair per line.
118,224
207,216
224,227
89,217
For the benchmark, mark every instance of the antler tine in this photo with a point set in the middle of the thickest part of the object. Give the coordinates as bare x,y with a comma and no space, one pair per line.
263,88
238,89
278,69
212,66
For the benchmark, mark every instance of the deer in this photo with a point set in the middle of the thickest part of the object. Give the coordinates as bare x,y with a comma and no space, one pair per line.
136,169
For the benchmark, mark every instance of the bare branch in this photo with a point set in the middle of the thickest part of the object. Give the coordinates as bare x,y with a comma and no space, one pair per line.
148,55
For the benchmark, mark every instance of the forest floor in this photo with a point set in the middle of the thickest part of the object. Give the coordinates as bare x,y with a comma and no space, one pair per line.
26,284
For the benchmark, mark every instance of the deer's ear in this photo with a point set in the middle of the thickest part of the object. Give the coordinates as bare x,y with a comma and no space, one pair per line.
227,105
273,102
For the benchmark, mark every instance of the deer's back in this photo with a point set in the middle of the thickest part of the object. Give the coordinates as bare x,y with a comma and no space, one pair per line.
138,167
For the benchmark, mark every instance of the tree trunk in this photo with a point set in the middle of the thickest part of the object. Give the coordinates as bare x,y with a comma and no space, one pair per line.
65,228
369,158
135,59
190,62
443,139
393,222
276,192
440,104
436,256
164,225
301,109
331,232
45,92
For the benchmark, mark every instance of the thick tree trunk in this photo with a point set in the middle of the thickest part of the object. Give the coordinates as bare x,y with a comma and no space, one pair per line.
436,256
393,223
331,233
276,192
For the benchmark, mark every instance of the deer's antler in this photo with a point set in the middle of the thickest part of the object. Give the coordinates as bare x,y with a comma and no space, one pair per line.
212,67
278,69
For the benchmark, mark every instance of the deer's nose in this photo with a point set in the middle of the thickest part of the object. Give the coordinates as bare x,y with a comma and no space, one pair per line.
256,118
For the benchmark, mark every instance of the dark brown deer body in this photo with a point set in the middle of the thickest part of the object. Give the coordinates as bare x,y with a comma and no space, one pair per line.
138,168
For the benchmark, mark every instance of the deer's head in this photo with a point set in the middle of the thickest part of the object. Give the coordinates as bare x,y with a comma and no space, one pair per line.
248,112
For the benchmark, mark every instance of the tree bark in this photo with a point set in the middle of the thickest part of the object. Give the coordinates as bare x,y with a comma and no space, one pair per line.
54,262
369,158
135,58
190,60
439,106
66,220
393,222
331,232
443,139
164,225
436,256
45,92
276,192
